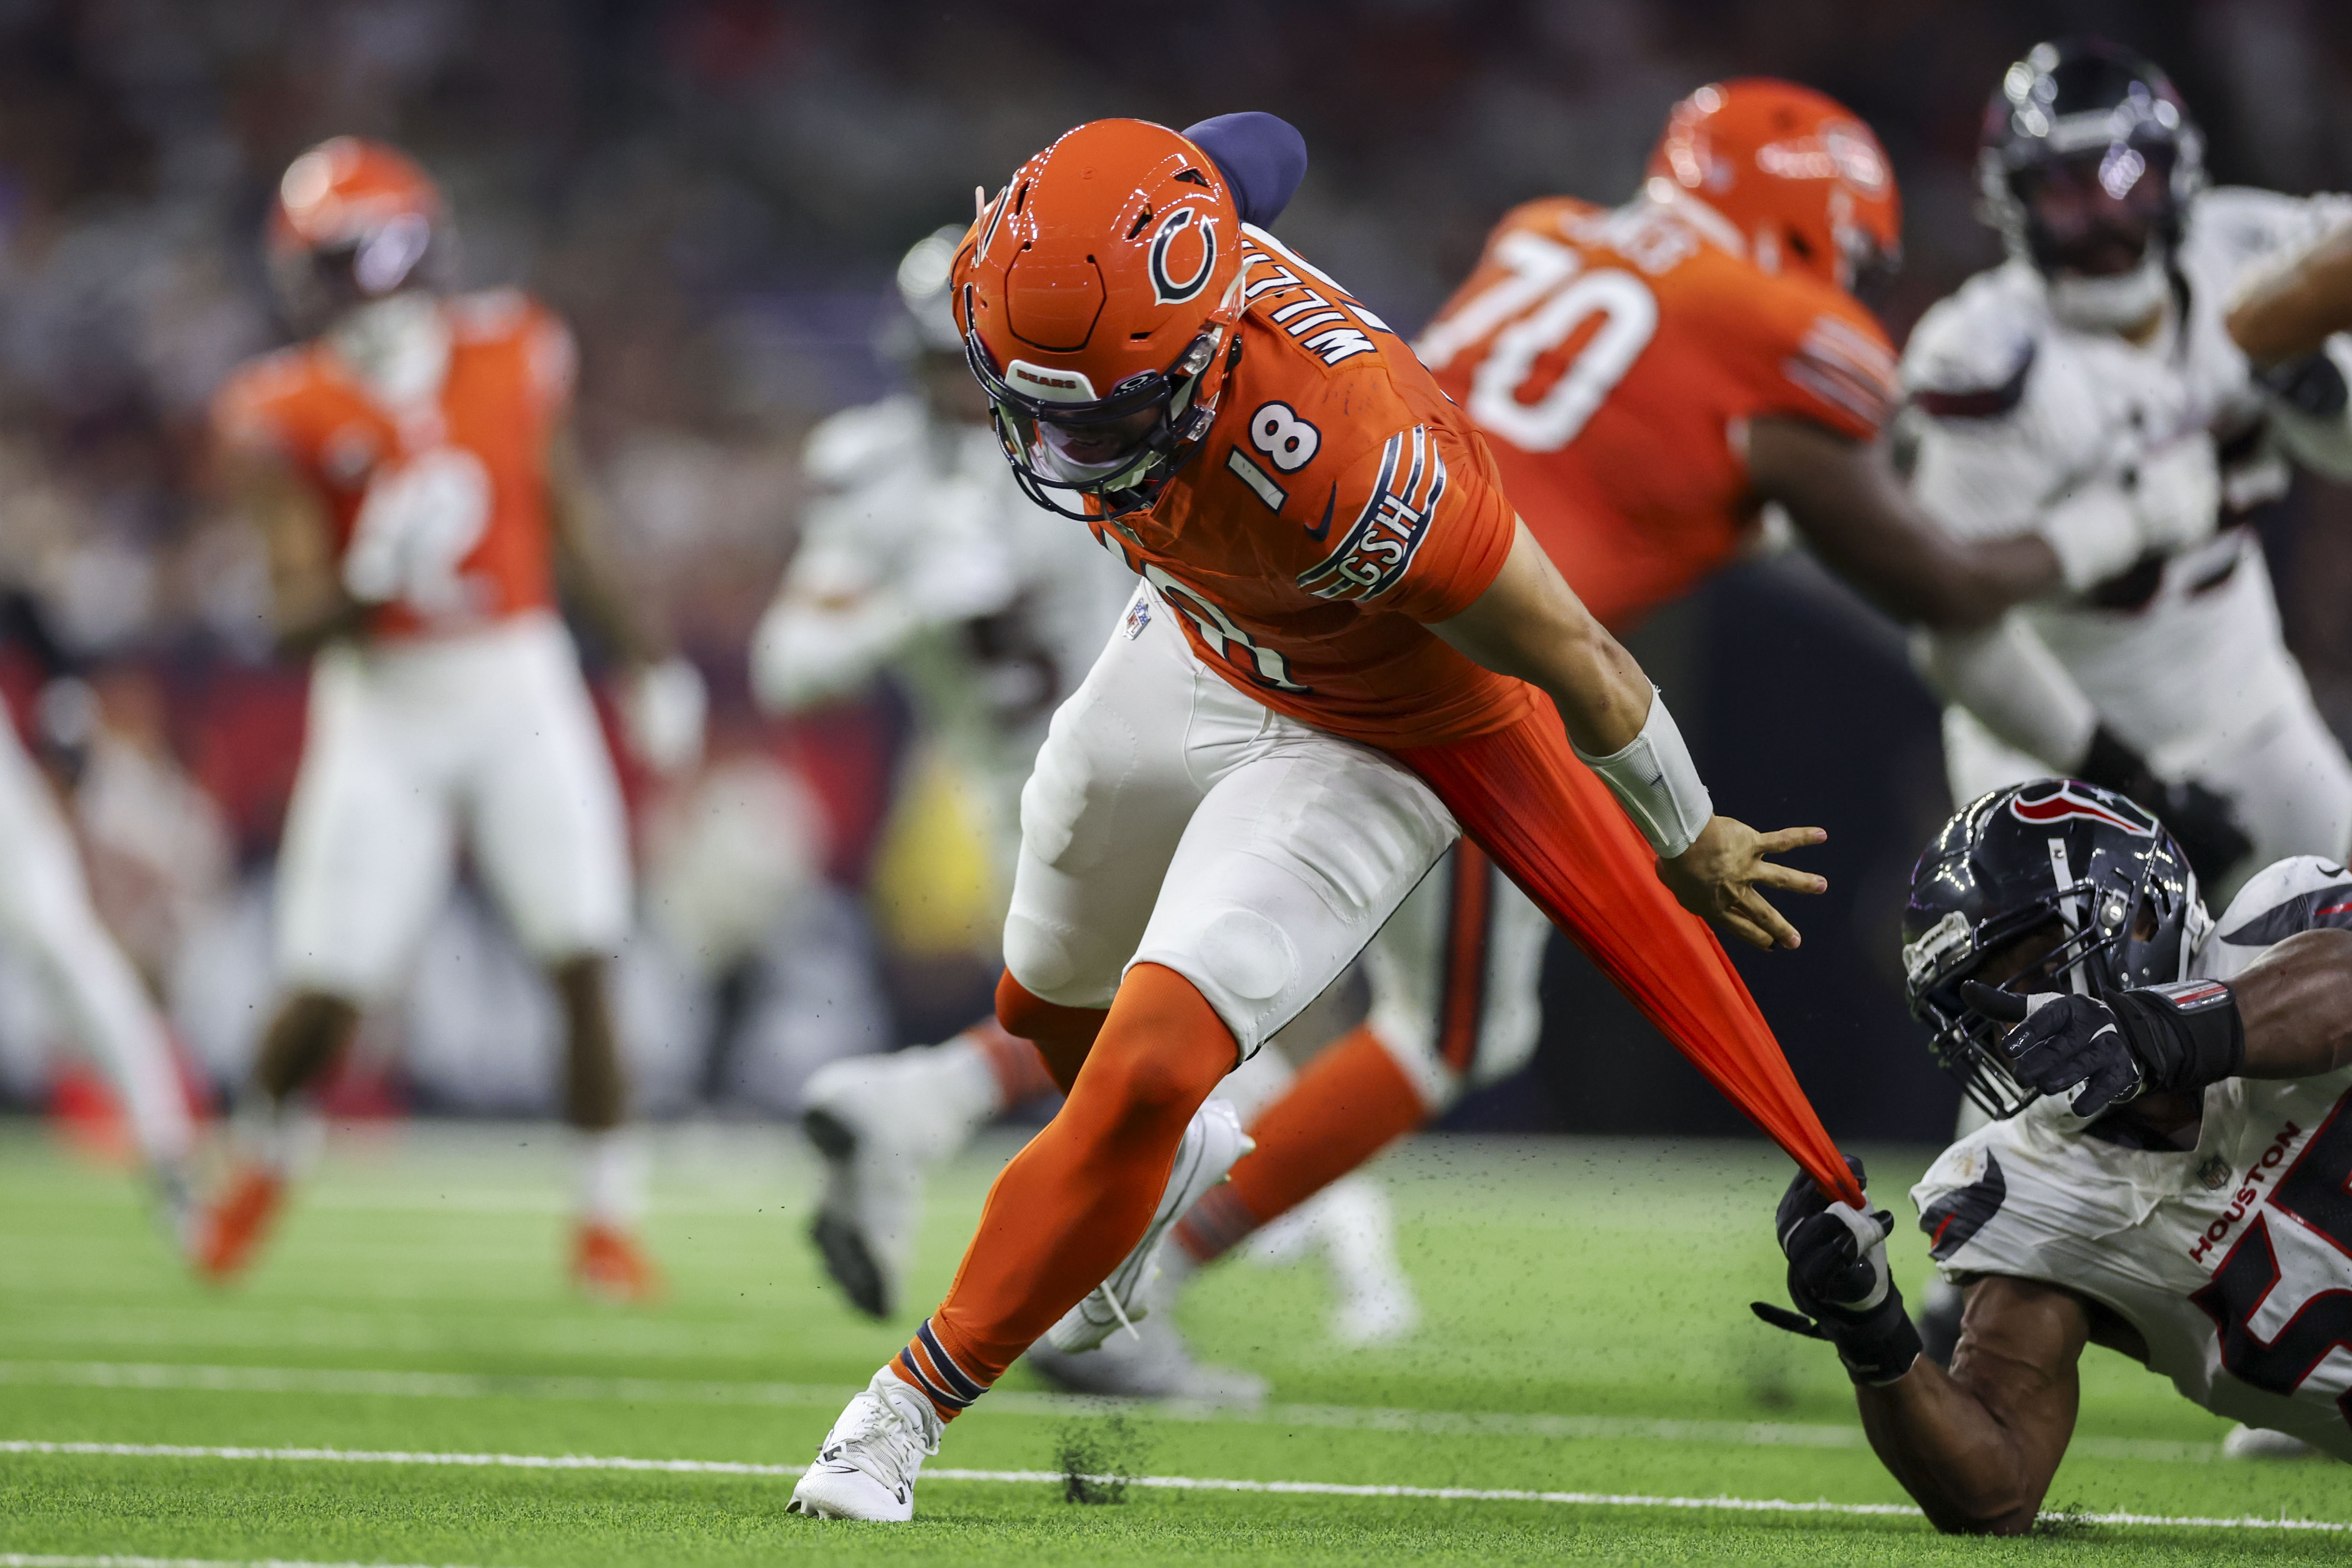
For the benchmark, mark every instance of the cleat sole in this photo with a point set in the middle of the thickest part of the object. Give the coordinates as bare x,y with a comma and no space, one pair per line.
851,1264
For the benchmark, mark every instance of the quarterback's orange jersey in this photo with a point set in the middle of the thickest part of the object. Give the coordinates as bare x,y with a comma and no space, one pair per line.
1613,356
1338,501
506,387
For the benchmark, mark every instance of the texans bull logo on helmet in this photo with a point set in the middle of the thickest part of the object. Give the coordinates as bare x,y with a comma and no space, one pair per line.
2063,798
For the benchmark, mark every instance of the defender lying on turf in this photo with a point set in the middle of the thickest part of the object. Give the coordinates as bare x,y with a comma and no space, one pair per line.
2187,1206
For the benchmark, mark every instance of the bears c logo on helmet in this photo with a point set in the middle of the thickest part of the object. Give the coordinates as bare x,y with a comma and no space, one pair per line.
2061,800
1166,289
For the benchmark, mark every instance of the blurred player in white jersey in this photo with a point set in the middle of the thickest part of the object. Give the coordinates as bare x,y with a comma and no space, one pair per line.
46,913
414,470
920,557
2096,372
2166,1173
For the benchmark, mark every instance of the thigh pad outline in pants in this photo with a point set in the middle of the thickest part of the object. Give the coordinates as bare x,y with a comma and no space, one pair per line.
1456,977
1298,854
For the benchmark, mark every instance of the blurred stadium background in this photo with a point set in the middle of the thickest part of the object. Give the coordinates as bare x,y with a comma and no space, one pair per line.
715,192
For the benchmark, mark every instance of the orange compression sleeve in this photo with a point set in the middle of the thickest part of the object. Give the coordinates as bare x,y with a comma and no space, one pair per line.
1551,824
1079,1197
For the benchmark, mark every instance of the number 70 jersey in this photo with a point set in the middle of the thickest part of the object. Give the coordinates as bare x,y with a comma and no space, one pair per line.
2233,1260
1612,359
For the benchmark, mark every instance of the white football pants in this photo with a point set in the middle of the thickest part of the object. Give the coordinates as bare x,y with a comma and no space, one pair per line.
1174,820
491,734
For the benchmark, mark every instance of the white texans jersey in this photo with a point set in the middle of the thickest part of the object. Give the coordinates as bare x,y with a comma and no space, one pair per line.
2011,409
2232,1259
920,555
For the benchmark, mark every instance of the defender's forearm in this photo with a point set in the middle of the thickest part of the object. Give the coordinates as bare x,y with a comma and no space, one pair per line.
2295,1003
2291,313
1965,1469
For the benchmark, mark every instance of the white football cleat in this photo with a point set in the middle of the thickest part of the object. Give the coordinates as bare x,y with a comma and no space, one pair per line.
2261,1443
1154,1362
1213,1140
883,1124
867,1468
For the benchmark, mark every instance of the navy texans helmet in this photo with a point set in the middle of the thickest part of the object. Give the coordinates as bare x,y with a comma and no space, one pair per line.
2087,165
2055,855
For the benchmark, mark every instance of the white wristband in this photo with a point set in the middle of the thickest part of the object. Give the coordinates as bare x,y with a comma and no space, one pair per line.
2095,534
1655,781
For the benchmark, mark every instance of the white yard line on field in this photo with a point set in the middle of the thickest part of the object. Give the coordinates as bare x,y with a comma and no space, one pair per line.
1172,1483
1007,1402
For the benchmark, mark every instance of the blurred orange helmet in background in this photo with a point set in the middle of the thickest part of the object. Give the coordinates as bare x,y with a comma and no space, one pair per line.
352,217
1101,285
1797,173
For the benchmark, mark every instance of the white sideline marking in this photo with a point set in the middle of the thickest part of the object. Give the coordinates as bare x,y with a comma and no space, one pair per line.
1010,1402
32,1560
1172,1483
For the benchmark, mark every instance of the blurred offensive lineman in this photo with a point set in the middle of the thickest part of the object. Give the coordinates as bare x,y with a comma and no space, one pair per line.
417,482
2097,370
1301,709
925,555
2167,1175
1648,378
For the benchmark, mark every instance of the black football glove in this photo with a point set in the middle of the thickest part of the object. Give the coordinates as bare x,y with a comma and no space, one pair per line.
1839,1279
2205,824
2165,1038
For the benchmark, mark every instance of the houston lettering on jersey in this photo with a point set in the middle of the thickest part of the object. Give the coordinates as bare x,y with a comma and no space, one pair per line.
2249,1191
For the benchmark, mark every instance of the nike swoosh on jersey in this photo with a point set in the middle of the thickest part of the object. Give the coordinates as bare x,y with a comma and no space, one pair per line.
1321,530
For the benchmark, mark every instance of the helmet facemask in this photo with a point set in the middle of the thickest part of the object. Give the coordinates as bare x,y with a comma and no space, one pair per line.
1118,451
2128,919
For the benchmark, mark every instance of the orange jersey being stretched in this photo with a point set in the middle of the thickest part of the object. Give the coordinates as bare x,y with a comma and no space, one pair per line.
1339,502
485,551
1613,358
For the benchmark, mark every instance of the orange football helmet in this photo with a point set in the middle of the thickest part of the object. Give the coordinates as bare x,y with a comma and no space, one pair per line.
1098,296
353,220
1794,171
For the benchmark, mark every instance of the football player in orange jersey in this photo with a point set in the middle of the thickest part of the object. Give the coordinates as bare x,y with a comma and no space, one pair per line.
413,469
1648,378
1346,651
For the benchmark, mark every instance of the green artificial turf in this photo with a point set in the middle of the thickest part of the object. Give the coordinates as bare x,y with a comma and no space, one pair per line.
1604,1281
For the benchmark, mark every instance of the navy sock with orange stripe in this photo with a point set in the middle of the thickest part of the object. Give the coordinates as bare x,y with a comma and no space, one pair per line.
926,1364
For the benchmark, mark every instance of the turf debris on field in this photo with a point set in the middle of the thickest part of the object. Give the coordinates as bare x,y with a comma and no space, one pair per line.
1586,1337
1098,1458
